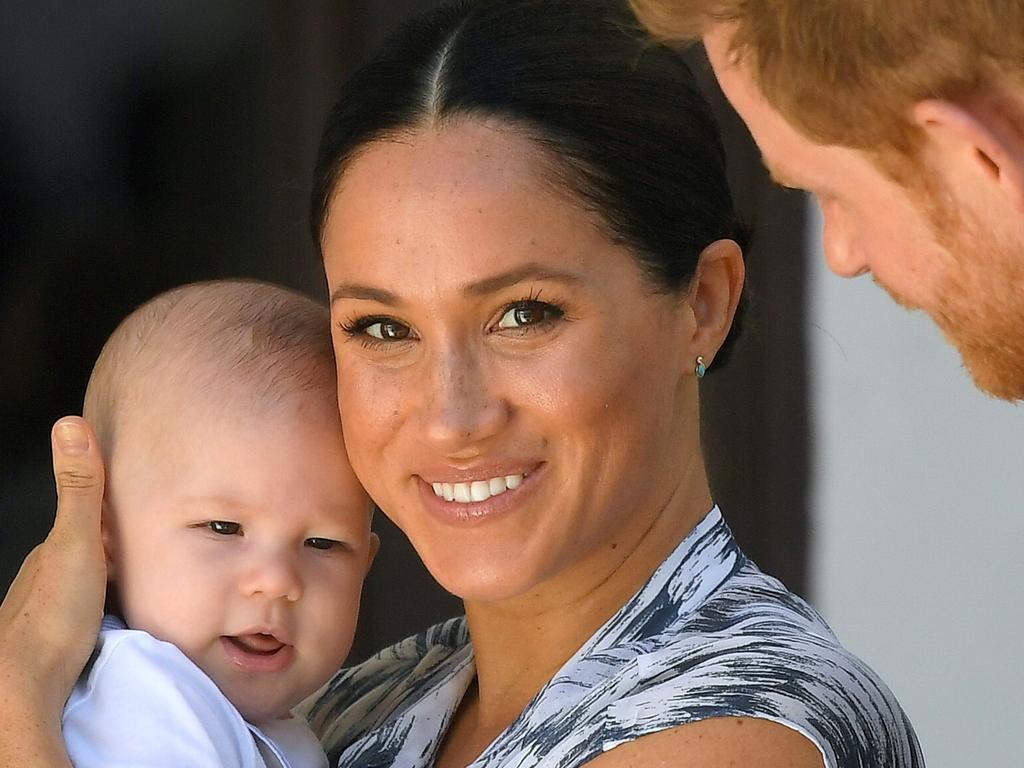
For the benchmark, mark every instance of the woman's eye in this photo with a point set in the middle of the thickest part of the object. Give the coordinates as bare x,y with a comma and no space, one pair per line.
387,330
323,544
525,314
224,528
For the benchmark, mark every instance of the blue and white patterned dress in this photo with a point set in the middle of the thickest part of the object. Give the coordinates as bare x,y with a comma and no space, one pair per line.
709,635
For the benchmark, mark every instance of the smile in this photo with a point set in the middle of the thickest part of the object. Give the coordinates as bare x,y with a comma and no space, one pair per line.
477,490
258,652
258,643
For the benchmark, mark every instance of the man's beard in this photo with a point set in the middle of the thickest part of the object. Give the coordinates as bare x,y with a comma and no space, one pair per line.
980,310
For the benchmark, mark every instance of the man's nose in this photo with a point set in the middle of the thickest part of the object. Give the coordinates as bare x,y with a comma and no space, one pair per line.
841,252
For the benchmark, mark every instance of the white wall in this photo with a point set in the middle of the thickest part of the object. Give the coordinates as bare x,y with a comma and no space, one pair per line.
917,521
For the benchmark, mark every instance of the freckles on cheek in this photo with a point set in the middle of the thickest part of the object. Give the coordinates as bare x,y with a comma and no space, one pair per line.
371,413
590,385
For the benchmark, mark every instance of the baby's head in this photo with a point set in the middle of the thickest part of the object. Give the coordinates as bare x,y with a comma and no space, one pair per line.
233,523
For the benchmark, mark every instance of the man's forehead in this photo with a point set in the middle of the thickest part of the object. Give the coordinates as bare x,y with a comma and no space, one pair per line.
773,134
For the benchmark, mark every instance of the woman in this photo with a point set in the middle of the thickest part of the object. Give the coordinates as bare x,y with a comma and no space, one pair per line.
530,250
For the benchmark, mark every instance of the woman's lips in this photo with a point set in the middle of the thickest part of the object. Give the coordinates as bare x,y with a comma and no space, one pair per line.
477,490
470,497
257,652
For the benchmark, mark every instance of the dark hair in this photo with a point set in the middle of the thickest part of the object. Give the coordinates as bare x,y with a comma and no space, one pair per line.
619,115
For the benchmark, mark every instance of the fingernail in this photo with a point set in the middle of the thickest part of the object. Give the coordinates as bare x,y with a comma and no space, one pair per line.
71,438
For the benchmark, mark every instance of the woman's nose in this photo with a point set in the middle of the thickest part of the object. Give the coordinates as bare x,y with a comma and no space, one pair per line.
272,576
461,406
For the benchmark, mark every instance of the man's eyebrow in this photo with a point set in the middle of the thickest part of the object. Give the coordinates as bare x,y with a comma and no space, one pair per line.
529,271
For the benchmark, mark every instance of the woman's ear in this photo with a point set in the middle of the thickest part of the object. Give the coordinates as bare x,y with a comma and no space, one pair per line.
977,141
714,295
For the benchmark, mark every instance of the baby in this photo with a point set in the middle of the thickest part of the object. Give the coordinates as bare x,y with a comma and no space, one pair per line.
237,536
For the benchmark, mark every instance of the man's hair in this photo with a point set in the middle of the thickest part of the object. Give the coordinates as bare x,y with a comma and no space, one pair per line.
848,72
238,341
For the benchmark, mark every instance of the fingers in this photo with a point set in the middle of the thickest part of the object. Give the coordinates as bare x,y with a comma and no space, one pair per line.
78,470
50,616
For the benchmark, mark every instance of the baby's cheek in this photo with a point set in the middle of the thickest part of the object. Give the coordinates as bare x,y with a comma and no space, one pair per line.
336,626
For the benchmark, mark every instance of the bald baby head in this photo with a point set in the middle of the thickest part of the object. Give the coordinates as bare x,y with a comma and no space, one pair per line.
233,524
229,343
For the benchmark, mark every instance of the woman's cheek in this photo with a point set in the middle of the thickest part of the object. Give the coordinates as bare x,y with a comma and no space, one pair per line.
371,404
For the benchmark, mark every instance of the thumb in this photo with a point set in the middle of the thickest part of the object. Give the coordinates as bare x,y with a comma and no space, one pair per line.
78,470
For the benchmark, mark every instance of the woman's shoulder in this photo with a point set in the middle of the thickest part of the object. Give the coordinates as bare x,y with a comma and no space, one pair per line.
754,649
361,697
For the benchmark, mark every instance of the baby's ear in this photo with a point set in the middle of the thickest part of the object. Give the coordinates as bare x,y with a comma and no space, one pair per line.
108,539
112,601
374,549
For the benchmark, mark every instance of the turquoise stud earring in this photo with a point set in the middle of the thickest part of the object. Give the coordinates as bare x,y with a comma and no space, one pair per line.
700,369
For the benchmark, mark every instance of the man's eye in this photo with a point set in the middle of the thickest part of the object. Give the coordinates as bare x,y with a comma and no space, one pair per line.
524,314
388,330
224,528
323,544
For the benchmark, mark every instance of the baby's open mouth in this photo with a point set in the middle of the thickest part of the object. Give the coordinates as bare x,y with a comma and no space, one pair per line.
259,644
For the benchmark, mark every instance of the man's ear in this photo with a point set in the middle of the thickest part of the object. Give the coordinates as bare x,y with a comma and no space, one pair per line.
980,134
714,295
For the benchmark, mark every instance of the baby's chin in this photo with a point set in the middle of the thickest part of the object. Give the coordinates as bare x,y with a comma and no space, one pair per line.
263,714
258,703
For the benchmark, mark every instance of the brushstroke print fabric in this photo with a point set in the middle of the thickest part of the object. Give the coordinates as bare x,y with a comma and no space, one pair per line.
709,635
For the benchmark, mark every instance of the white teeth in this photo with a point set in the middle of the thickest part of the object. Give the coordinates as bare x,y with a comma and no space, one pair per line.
477,490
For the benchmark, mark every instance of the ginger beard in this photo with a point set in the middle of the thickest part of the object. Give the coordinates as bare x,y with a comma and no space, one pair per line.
979,303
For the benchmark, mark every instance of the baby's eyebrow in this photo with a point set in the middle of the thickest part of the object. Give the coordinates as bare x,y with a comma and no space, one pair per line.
221,502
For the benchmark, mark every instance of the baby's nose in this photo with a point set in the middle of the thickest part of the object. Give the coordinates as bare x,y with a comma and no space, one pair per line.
273,578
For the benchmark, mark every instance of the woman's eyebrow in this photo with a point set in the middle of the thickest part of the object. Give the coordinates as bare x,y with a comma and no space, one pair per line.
366,293
529,271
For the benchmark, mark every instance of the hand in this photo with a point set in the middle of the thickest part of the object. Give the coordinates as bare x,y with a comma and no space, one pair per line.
52,612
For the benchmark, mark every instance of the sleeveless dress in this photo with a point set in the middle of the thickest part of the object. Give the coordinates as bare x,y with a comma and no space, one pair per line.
709,635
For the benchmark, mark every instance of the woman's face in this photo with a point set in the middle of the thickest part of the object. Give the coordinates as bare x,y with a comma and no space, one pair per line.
513,391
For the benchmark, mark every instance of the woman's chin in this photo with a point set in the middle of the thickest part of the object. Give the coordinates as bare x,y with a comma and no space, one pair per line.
480,577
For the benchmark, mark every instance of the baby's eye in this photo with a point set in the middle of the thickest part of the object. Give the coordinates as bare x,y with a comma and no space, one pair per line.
524,314
224,528
324,544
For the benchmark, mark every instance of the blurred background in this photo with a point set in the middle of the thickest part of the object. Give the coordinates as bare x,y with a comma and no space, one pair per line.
143,145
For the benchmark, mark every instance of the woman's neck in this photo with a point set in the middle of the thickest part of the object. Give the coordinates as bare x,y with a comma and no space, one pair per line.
519,645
